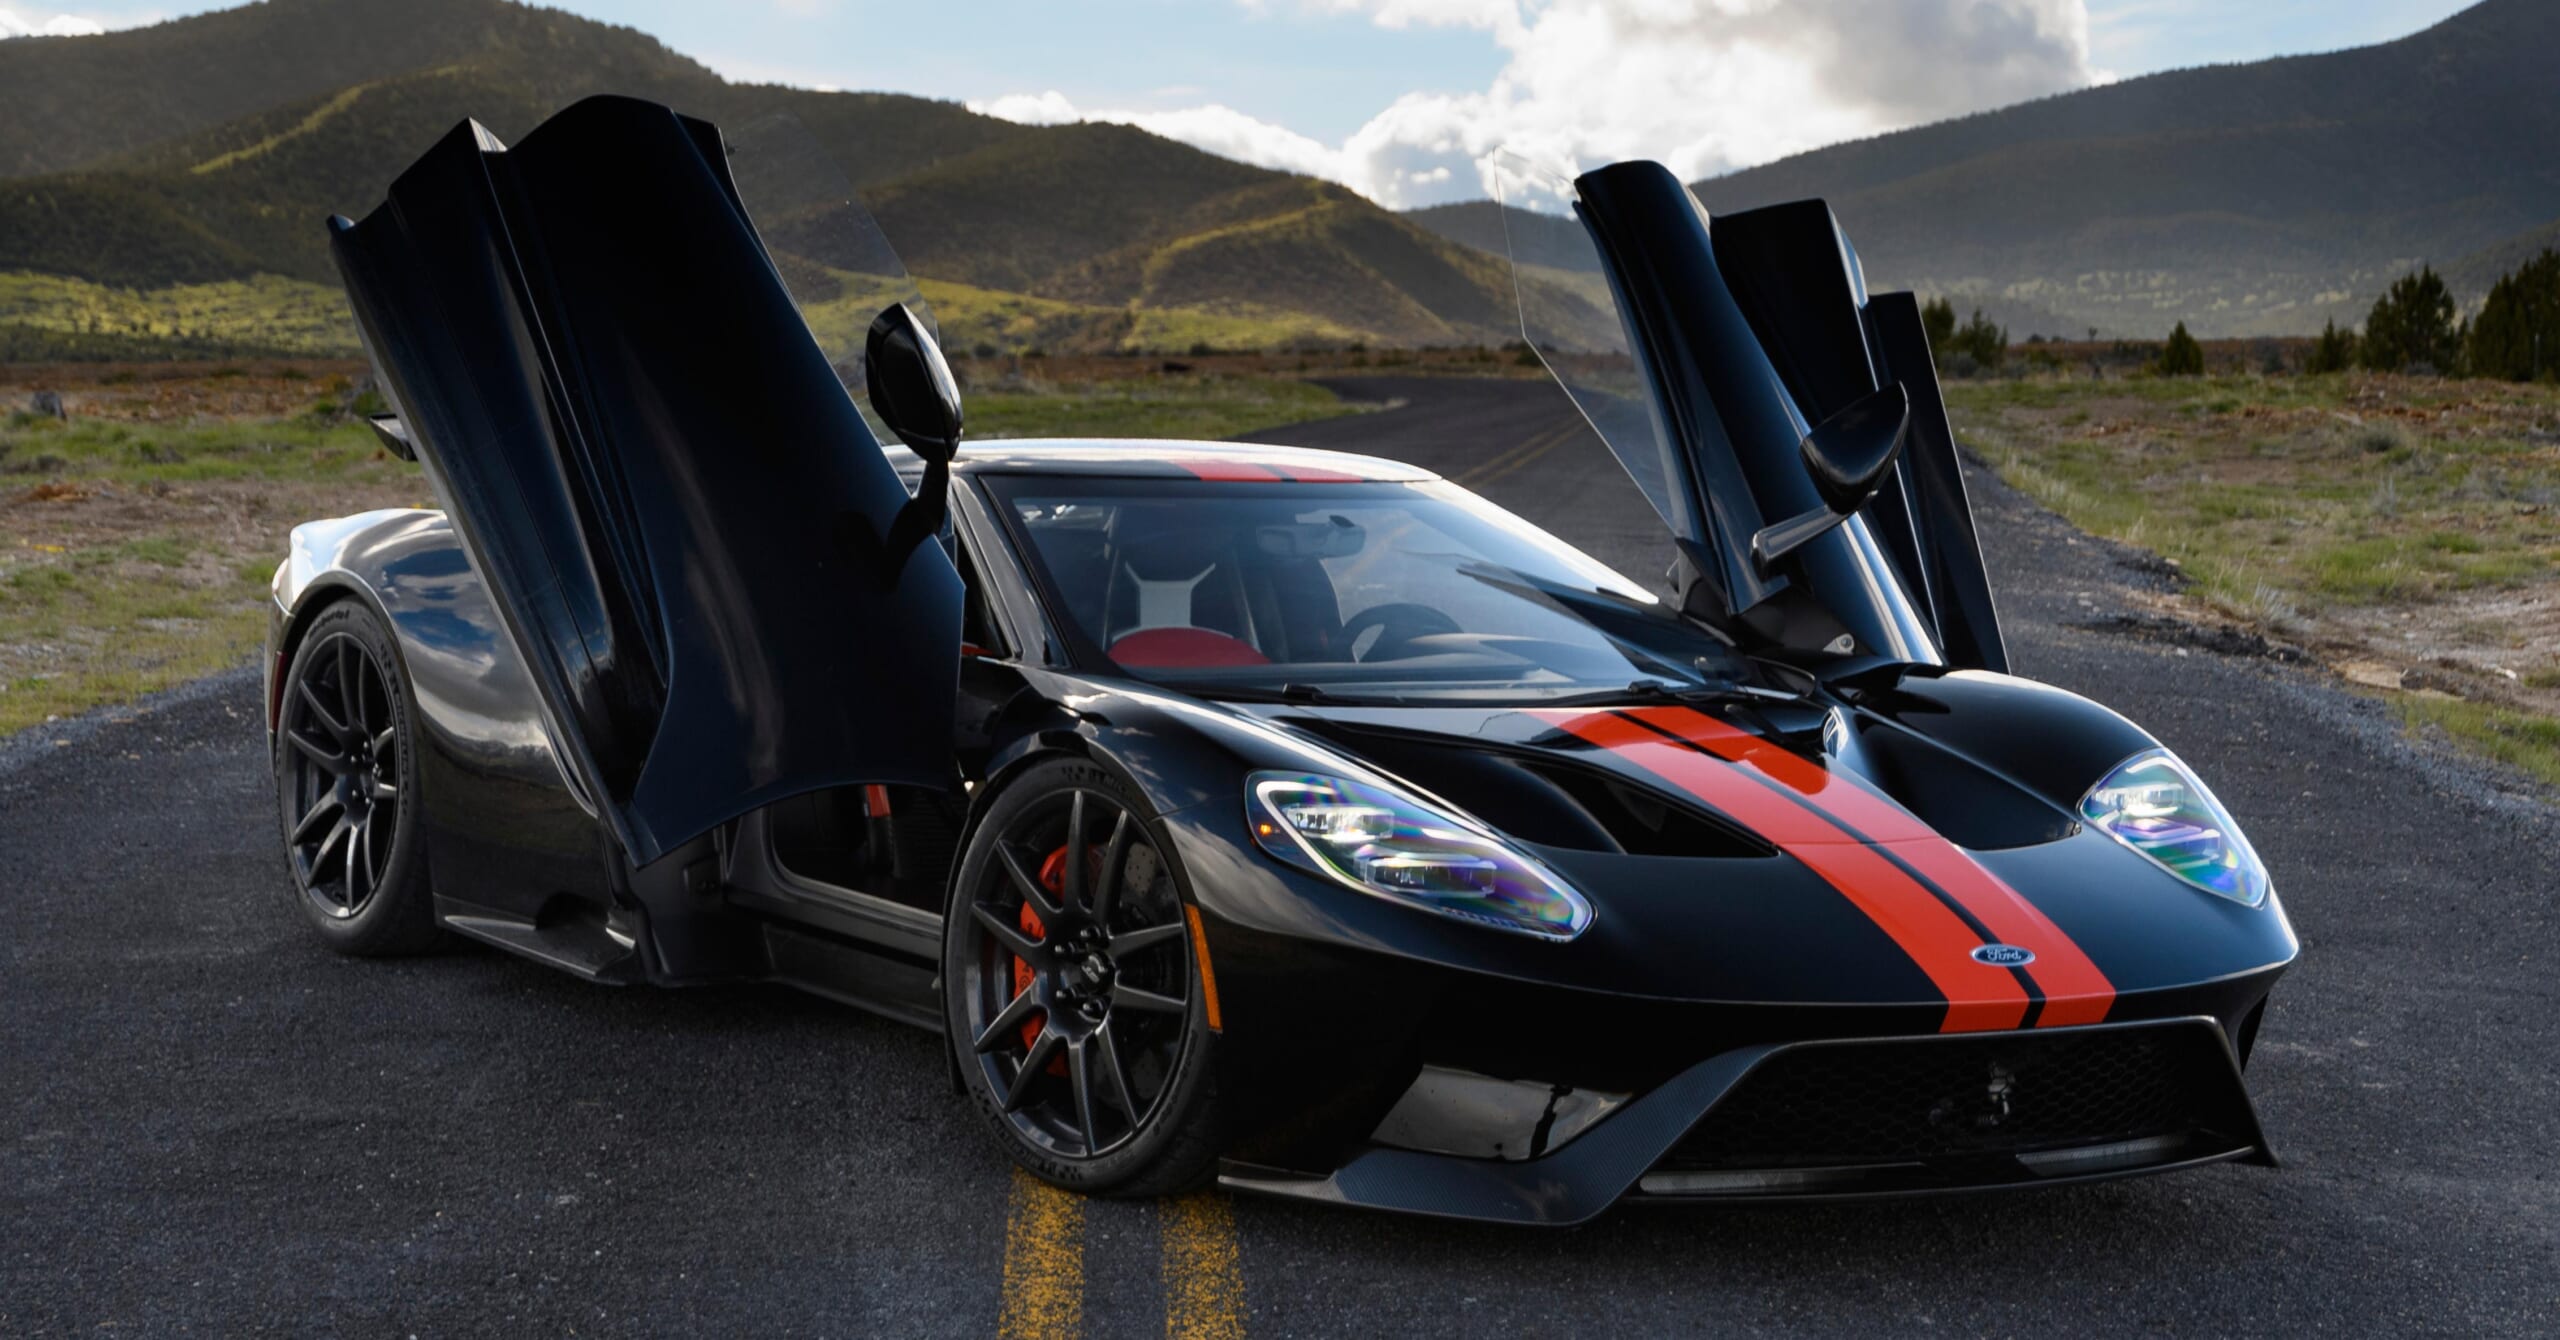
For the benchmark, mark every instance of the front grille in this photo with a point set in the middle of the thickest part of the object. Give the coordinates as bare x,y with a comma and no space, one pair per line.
1919,1099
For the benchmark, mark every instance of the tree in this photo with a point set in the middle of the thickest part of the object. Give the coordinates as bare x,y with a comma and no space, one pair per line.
2181,356
2334,351
1983,342
1938,321
2517,335
2412,325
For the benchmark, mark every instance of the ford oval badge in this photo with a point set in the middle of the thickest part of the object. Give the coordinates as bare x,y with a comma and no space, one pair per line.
2003,956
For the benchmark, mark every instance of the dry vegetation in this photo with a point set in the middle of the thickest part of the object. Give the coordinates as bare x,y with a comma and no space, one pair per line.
2405,531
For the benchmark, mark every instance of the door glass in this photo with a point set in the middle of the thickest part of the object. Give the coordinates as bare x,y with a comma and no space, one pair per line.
833,258
1572,322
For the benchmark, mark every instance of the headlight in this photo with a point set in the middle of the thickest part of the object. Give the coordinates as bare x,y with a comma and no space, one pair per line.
2154,804
1387,844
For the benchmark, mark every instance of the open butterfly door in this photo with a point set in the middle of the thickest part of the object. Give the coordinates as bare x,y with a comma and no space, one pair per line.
678,508
1712,356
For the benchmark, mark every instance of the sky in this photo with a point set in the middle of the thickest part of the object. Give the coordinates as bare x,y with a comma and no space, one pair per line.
1404,100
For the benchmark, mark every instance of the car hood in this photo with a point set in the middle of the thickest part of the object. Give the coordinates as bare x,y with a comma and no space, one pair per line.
1860,853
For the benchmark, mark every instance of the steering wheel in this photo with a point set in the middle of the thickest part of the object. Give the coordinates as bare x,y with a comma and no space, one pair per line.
1399,623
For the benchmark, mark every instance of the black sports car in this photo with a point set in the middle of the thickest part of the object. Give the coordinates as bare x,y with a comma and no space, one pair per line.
1285,815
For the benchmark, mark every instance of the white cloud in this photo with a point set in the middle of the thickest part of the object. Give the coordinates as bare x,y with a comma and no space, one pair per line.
55,25
1706,86
1031,109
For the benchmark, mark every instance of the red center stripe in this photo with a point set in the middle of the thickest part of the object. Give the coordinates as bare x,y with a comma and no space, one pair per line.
2075,991
1211,467
1979,997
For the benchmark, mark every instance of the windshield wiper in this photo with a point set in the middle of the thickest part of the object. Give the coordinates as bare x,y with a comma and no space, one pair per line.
1313,695
1656,691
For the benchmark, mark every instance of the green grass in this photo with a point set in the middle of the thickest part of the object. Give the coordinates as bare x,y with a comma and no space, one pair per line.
2525,741
2280,485
118,626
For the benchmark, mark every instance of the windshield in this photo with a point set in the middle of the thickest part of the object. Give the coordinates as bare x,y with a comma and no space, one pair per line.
1368,592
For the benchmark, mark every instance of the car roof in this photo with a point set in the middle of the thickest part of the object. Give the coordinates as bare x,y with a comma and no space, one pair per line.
1167,458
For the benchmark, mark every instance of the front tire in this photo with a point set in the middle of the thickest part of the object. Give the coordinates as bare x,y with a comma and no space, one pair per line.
346,771
1075,1011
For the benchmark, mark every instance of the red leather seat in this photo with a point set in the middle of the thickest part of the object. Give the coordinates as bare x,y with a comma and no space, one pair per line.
1183,648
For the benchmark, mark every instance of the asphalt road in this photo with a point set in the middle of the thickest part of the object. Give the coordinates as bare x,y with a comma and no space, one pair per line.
216,1126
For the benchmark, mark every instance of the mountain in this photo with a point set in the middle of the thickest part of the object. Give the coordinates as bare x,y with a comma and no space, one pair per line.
73,101
1550,240
2244,199
151,159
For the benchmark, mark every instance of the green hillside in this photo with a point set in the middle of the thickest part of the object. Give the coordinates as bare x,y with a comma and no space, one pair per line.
177,180
66,104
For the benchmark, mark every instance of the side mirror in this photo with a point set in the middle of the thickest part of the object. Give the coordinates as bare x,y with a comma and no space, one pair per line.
1848,456
393,434
911,387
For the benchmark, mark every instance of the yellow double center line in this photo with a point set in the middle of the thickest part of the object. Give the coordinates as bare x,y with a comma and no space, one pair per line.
1538,445
1043,1262
1203,1280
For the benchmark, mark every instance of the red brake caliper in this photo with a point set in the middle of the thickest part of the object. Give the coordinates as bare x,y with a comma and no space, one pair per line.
1053,877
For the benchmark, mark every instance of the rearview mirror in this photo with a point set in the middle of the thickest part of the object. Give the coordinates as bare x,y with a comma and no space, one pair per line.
1848,456
911,386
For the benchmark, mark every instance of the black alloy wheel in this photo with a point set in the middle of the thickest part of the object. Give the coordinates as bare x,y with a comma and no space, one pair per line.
1076,1012
346,786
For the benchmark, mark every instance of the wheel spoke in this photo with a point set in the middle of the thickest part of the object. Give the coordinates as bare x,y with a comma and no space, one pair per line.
360,863
382,743
1080,1078
1011,937
331,759
1127,997
1115,851
1112,1070
1008,1021
1025,881
1043,1051
350,699
326,808
339,832
1130,942
311,699
382,792
1074,884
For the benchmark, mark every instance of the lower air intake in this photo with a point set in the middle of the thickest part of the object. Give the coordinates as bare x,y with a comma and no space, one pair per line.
1959,1109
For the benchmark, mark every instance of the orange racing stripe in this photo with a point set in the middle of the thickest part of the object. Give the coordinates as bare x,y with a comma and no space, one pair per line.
2075,990
1979,997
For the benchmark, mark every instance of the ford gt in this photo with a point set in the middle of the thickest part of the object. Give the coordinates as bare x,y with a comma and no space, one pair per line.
1293,819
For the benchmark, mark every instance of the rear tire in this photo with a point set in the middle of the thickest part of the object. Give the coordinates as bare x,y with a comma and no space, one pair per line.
1075,1011
346,770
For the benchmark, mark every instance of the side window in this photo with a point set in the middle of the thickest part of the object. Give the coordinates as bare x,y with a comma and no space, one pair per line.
977,627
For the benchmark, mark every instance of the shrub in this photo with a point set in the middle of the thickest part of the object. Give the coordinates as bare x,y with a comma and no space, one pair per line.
2181,356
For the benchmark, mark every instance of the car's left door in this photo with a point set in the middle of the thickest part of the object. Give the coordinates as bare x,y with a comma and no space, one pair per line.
678,509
